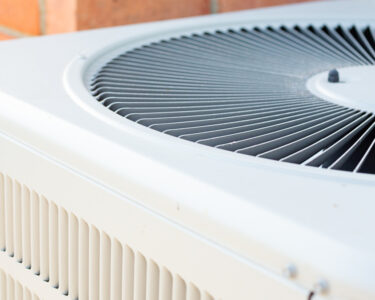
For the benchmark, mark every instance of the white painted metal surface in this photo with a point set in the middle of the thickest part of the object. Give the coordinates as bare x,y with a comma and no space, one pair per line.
224,224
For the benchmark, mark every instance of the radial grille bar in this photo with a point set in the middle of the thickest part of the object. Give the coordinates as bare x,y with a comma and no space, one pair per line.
244,91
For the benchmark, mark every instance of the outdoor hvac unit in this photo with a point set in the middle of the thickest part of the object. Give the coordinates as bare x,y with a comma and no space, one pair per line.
220,157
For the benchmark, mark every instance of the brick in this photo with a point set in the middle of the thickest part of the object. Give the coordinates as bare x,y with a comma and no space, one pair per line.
4,37
232,5
21,15
61,16
102,13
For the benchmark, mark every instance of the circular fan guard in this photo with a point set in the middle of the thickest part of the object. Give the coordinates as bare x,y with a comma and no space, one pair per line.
245,91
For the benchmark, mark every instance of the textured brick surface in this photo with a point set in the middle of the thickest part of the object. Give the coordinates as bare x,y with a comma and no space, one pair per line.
4,36
34,17
102,13
21,15
231,5
61,16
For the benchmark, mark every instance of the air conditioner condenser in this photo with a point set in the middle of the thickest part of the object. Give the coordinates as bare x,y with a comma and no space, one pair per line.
228,156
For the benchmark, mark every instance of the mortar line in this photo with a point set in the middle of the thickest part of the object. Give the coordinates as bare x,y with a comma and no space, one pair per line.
12,32
214,6
42,12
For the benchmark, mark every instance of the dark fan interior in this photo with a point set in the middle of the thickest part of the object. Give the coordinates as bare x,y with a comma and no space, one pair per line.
244,91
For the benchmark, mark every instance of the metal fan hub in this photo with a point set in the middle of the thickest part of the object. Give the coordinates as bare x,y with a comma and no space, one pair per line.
355,89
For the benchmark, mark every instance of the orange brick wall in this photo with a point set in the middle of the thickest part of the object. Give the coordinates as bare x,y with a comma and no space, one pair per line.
230,5
21,15
19,18
119,12
4,36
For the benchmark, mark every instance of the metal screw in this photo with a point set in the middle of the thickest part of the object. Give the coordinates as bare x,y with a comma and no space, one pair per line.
321,286
290,271
333,76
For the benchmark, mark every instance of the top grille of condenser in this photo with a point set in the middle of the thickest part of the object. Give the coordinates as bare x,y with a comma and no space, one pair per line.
245,91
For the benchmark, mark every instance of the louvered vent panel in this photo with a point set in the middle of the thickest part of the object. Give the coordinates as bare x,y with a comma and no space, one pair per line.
11,289
244,91
75,257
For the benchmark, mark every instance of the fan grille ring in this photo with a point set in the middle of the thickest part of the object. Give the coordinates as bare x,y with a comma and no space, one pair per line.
245,91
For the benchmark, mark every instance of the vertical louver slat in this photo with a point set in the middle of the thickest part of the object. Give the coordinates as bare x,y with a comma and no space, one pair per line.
35,238
105,266
128,274
152,285
17,221
26,227
206,296
26,294
44,239
63,251
192,292
9,216
140,273
94,263
73,256
179,288
2,213
3,286
83,261
166,284
10,288
116,270
54,245
18,291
